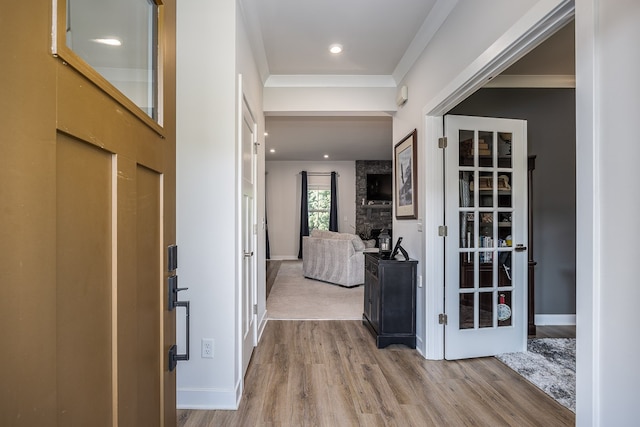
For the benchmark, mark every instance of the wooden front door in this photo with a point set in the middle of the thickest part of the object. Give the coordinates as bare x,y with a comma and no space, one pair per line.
88,209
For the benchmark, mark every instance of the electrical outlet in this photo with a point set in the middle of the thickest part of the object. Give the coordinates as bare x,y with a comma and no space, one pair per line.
207,348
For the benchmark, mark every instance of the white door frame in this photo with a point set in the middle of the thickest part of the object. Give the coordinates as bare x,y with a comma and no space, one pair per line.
544,19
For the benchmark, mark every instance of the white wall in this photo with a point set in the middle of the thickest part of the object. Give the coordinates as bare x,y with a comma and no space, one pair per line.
283,201
608,105
207,191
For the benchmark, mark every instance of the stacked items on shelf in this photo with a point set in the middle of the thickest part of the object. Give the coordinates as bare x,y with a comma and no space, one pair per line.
486,242
483,148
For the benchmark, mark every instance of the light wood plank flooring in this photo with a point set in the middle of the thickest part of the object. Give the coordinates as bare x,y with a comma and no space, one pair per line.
329,373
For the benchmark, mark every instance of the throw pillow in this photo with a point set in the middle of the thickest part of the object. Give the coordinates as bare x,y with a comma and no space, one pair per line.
358,244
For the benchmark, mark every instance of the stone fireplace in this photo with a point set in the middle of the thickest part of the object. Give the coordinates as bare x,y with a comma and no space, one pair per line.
370,219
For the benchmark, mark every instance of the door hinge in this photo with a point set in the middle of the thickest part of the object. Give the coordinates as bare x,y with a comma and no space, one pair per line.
442,230
255,309
442,319
442,142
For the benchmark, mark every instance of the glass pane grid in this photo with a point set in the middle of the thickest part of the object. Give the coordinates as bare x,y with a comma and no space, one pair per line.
485,224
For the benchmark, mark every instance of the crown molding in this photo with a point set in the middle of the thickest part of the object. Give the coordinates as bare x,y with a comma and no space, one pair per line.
329,80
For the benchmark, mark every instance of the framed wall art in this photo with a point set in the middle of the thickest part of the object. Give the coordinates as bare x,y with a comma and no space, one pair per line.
405,156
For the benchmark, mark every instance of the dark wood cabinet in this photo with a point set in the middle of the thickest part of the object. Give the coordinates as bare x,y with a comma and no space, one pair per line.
390,300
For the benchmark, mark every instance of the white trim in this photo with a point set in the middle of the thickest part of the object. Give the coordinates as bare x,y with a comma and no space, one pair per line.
525,81
238,373
284,258
262,324
329,113
206,398
555,319
533,28
588,244
434,244
329,80
544,19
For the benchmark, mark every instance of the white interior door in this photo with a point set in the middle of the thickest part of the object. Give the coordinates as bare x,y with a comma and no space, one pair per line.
248,135
485,249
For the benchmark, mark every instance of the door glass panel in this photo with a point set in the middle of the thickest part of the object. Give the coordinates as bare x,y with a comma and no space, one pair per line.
466,148
504,308
485,149
120,41
466,229
467,269
466,311
486,309
504,229
485,189
504,190
504,149
504,268
485,273
466,192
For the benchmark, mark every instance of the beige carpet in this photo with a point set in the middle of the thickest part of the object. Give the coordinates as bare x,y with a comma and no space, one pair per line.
295,297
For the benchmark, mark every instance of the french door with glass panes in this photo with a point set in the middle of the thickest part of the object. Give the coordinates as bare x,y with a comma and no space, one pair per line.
486,217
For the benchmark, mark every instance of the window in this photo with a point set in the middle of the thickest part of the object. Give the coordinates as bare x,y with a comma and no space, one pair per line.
119,41
319,205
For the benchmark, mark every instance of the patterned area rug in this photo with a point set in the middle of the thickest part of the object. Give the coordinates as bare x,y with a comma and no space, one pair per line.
294,297
550,364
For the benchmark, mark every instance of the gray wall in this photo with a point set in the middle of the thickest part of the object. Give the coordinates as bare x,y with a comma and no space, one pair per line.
551,134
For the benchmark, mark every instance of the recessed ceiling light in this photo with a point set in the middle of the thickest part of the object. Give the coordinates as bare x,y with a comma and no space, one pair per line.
326,156
335,48
266,134
110,42
273,150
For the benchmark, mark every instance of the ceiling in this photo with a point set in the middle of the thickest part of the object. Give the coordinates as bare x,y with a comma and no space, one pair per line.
376,35
295,37
340,138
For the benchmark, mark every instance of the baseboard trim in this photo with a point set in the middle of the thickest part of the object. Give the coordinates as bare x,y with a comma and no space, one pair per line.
555,319
262,325
283,258
206,398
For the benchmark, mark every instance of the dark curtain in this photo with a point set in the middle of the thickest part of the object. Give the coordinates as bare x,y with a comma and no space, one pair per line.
333,212
304,211
266,225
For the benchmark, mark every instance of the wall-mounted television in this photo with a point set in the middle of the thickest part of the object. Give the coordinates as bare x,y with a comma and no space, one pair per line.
379,187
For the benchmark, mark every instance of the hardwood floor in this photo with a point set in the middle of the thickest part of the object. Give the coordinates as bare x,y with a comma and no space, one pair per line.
329,373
